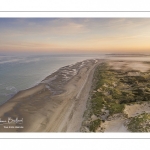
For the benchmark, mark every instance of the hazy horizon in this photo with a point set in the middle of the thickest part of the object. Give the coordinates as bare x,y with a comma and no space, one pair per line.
74,35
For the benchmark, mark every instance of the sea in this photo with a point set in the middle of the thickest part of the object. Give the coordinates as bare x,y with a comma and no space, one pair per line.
20,72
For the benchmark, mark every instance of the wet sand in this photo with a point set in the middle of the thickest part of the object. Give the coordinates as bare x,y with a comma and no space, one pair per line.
57,104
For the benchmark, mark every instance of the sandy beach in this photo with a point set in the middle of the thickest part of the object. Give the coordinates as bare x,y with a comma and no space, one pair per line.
56,104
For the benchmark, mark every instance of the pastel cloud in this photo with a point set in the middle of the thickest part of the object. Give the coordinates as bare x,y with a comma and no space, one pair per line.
61,34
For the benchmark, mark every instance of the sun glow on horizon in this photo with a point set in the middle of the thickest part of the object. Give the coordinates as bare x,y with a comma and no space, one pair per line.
74,35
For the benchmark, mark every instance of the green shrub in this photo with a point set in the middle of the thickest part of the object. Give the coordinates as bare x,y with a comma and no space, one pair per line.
138,123
94,125
115,108
97,105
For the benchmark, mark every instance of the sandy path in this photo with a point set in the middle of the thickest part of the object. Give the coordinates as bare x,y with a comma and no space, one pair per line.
80,103
137,109
116,125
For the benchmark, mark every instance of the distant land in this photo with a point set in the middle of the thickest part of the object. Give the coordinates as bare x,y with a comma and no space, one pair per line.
128,55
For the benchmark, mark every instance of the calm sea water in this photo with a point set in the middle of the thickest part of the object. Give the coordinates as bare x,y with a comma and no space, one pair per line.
22,72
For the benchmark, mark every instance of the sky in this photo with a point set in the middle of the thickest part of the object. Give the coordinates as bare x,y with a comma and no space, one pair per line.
75,35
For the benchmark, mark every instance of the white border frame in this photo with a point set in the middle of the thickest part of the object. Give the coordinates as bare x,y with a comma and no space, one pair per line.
72,14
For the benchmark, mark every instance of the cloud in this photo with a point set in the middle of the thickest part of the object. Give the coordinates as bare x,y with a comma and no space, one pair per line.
67,33
56,27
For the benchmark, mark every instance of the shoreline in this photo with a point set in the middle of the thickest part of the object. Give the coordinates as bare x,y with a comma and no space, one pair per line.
43,103
40,81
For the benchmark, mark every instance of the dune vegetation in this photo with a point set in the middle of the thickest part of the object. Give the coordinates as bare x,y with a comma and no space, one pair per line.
111,91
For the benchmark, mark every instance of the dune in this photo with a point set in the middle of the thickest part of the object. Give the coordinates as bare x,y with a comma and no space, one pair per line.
118,111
